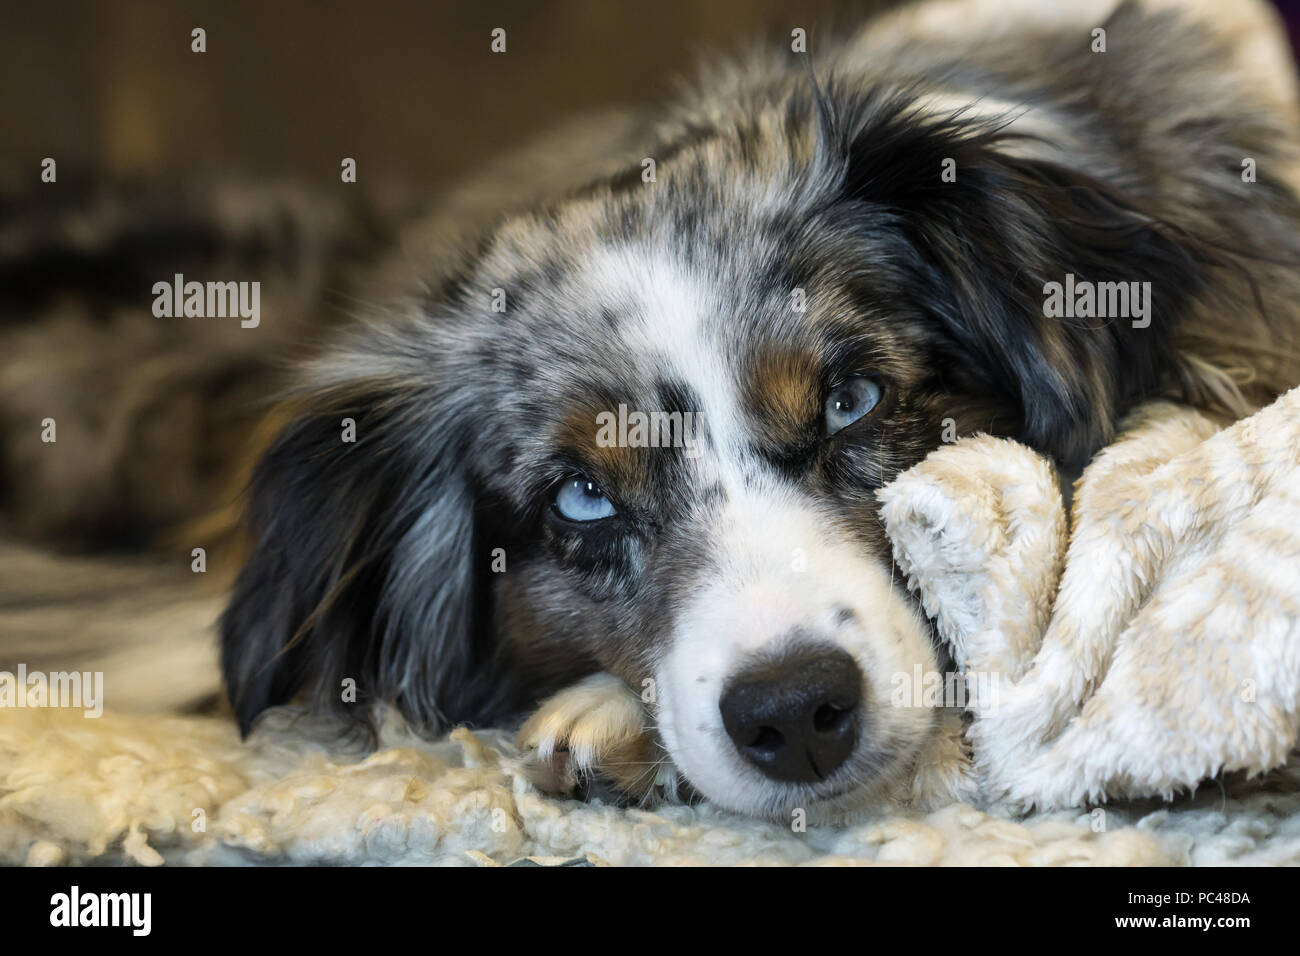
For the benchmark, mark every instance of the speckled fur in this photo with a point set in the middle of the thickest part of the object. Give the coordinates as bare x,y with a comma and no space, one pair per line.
373,561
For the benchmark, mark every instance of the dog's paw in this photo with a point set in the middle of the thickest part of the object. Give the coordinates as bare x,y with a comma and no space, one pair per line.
944,771
592,734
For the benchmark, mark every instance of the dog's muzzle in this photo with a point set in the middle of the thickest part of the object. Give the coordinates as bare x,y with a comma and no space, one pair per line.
795,717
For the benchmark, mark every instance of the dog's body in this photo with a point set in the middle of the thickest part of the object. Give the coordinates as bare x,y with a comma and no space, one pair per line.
829,268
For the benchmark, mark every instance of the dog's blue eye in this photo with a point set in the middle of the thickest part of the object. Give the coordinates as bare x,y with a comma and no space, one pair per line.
579,499
849,401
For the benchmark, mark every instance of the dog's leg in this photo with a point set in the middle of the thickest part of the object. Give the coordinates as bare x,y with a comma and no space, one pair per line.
598,729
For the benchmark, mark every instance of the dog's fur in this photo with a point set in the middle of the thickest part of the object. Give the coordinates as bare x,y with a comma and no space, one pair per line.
426,562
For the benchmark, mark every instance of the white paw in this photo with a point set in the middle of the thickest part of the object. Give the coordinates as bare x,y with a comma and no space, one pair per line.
596,729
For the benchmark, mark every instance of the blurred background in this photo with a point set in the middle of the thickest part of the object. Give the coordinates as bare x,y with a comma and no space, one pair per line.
409,88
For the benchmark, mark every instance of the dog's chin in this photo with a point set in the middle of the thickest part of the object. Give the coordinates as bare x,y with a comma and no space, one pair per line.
868,783
872,779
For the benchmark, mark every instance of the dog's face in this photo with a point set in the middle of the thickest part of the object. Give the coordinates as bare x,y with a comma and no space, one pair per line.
800,308
726,561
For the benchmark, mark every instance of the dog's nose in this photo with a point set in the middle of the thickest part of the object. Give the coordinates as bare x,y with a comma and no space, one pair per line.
795,718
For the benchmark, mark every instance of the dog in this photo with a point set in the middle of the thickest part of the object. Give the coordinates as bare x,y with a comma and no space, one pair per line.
608,472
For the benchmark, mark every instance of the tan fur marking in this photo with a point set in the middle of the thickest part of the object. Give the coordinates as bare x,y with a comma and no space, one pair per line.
596,728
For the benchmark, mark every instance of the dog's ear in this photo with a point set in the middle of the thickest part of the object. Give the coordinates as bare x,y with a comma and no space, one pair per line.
363,565
993,223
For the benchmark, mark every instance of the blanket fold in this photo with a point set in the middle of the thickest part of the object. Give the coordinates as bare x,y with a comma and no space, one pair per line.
1161,646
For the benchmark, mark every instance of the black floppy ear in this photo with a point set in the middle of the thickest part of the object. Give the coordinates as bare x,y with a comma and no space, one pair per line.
995,231
363,567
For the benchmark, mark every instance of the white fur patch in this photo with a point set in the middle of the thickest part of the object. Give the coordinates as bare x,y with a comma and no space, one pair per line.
782,567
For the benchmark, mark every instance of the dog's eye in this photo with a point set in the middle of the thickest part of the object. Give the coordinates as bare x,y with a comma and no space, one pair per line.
580,499
849,401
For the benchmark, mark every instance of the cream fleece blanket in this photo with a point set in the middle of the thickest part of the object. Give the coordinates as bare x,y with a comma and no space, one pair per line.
1160,648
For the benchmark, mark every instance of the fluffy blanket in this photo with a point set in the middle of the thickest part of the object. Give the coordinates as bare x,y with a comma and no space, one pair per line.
1153,647
1158,649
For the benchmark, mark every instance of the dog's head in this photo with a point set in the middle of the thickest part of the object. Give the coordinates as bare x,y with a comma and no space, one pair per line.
642,432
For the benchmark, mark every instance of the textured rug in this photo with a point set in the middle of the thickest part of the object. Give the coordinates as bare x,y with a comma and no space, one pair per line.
152,790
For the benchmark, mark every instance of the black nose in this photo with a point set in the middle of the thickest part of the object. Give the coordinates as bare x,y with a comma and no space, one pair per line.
795,717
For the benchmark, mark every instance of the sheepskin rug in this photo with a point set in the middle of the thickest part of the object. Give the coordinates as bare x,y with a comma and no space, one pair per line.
149,790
